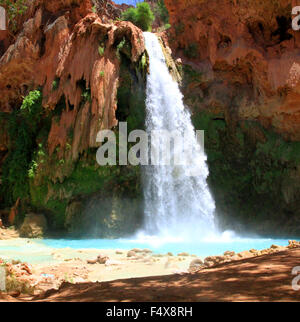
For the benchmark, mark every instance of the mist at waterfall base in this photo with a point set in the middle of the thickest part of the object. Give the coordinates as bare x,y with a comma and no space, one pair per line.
179,209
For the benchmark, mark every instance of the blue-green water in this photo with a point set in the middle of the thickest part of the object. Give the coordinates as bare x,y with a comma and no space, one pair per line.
202,248
39,251
25,250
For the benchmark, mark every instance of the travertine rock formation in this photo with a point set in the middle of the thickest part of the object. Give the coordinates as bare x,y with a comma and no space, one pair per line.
77,57
241,80
250,48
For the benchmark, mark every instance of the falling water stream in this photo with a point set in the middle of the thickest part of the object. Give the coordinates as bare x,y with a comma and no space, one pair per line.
176,202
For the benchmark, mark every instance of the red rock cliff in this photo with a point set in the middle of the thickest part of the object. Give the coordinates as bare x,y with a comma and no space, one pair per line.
66,49
90,68
248,48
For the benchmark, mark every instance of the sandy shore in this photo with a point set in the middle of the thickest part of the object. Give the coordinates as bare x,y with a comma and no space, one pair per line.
8,233
51,267
262,278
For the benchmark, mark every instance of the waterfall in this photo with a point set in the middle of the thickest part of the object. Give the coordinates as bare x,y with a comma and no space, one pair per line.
176,202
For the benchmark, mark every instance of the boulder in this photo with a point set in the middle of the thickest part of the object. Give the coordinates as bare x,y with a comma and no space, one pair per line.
214,259
275,246
196,265
245,254
235,258
253,251
131,254
102,259
34,226
293,244
264,252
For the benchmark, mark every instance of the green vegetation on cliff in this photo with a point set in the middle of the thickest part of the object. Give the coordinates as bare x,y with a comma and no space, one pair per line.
162,11
253,175
142,16
22,127
79,196
86,179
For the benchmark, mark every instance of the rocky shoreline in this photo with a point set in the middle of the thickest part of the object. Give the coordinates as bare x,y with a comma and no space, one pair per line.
93,265
229,256
266,277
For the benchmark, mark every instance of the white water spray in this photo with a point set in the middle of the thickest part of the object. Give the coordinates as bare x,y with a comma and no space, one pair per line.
176,204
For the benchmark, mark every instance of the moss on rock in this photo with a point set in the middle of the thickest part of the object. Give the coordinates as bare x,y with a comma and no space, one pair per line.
82,197
254,176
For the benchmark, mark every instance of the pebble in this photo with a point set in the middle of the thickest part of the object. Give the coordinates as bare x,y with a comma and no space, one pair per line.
131,253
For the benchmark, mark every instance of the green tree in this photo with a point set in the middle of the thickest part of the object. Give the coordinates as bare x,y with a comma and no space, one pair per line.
142,16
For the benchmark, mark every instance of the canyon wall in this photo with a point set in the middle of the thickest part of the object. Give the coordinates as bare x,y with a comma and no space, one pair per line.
69,71
241,72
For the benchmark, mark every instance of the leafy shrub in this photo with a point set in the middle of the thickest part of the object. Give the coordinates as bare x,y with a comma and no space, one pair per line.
22,127
142,16
101,50
85,91
31,108
124,47
86,95
55,84
130,15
